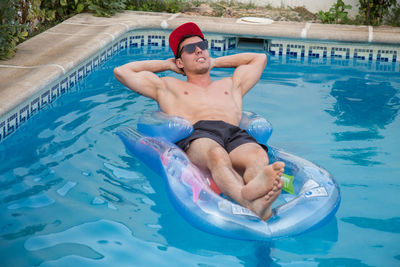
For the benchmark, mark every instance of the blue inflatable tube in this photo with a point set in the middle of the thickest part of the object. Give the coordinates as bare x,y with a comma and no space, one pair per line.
311,198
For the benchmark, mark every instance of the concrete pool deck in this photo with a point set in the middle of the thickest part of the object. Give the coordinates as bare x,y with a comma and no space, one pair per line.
47,56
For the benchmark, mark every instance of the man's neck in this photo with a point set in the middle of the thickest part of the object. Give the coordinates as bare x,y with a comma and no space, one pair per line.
202,80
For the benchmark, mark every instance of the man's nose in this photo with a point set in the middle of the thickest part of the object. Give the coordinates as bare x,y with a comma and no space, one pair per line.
198,50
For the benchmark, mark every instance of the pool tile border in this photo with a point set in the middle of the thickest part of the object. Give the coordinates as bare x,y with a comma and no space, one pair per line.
374,57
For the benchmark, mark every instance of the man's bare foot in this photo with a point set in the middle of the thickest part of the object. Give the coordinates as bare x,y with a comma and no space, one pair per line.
263,205
264,182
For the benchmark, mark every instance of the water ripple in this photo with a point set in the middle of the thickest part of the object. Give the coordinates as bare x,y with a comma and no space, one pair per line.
391,225
36,201
27,231
34,190
117,246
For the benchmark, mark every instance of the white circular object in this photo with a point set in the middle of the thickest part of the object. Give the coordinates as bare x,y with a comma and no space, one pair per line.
164,24
254,20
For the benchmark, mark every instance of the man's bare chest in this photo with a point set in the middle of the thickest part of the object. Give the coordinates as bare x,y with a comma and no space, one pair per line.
217,93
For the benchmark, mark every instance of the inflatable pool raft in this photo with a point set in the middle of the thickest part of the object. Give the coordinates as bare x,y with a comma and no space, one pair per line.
309,199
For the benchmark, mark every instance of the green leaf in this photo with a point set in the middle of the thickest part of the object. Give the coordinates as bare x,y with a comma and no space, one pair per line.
23,34
80,8
60,11
51,14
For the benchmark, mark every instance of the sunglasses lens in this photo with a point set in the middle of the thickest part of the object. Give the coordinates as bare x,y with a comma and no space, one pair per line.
190,48
203,45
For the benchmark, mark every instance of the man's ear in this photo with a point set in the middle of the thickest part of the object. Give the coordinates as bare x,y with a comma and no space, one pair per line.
179,63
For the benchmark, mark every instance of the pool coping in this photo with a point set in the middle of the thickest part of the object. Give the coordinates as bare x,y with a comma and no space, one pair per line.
48,56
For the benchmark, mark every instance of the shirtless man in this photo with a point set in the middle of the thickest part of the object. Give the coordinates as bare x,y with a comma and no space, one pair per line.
237,163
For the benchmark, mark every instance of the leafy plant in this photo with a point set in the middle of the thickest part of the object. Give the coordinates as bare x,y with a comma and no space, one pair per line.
372,12
393,18
106,8
171,6
174,6
62,9
11,30
336,14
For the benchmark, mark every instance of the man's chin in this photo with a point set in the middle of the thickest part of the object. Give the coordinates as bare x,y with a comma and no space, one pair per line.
203,70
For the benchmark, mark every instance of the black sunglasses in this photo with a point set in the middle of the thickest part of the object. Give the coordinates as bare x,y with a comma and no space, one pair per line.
190,48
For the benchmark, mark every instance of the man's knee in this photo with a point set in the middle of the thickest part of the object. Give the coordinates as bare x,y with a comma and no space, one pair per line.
249,155
218,155
260,154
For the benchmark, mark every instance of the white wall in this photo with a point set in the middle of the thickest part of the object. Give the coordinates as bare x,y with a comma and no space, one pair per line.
312,5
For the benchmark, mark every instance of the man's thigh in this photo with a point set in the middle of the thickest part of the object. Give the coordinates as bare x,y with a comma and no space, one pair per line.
199,150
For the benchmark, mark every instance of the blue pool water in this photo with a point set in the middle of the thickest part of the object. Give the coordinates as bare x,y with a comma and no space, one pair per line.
72,195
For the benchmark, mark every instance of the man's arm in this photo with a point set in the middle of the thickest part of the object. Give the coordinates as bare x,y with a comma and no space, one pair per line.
249,67
139,75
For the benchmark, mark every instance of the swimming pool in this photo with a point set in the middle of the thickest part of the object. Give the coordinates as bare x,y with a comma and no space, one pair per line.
71,194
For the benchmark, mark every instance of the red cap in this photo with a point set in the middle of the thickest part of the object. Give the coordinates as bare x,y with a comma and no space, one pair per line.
176,36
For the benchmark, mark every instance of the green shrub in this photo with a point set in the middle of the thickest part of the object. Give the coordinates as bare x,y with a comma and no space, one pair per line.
11,30
106,8
372,12
393,18
170,6
336,14
62,9
22,17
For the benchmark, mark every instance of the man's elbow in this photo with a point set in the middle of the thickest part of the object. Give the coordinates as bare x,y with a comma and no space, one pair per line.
121,73
263,58
117,72
259,59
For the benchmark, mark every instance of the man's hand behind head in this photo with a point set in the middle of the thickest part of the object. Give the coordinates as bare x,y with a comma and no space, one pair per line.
174,67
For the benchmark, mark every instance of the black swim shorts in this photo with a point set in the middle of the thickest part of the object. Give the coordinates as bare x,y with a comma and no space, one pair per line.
227,135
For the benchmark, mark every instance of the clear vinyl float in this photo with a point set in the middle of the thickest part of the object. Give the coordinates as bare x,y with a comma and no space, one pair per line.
310,196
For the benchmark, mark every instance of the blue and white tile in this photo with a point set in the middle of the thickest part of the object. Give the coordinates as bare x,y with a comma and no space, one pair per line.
363,54
295,50
137,41
64,86
2,130
123,43
340,52
386,55
317,51
24,114
276,49
156,41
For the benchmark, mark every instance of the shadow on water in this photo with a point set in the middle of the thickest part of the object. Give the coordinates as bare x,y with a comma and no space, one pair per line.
319,241
391,225
340,262
367,105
